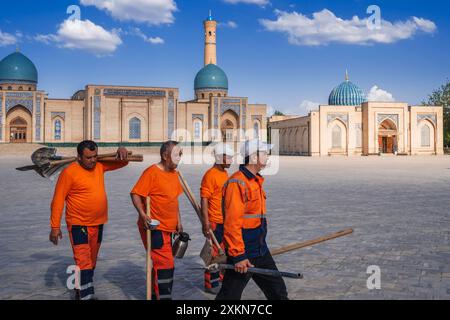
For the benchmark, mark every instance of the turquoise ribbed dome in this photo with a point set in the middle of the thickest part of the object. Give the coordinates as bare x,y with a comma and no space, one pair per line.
346,94
211,77
17,67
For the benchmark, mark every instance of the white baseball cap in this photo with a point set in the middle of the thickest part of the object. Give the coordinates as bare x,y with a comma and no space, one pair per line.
253,146
223,148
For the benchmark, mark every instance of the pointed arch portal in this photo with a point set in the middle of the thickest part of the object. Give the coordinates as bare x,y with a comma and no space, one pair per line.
387,137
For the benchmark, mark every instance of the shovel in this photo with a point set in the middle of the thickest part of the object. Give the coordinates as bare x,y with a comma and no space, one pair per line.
47,163
206,253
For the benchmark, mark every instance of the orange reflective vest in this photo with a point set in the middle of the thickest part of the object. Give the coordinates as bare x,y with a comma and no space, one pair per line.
244,211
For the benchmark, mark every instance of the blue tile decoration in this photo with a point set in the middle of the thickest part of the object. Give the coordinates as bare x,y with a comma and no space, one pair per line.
38,127
134,128
347,94
28,95
171,116
38,119
244,116
38,104
134,93
231,101
97,116
19,98
216,113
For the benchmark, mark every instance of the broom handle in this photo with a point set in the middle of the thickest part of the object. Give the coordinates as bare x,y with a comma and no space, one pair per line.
149,262
197,209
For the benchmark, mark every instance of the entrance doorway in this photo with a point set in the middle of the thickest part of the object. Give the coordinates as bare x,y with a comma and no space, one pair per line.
18,130
387,137
386,144
229,126
227,131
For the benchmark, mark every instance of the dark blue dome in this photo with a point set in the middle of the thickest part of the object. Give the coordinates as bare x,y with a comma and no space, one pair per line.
211,77
346,94
17,67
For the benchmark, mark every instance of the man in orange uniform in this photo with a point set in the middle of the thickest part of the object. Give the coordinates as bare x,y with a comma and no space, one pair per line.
82,187
211,203
245,228
161,183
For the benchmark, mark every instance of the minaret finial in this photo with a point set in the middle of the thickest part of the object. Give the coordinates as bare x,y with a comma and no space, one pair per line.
346,75
17,48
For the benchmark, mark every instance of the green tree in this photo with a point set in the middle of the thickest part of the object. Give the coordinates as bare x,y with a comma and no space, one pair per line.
441,97
278,113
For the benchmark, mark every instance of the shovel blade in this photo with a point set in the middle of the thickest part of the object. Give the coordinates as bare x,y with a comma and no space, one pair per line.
43,155
27,168
207,252
220,259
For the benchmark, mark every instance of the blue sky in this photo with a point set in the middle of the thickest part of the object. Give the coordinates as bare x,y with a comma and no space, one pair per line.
288,54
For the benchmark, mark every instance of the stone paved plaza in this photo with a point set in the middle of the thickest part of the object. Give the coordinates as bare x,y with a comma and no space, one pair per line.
398,207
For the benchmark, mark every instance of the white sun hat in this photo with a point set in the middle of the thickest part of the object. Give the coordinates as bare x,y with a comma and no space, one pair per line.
253,146
223,149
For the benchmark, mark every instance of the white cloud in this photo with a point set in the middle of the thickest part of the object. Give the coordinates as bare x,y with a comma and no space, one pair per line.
83,35
7,39
324,28
257,2
261,3
153,12
380,95
228,24
307,106
45,38
303,109
153,40
425,25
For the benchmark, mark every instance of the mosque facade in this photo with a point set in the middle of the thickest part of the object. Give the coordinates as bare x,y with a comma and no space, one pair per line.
124,114
350,125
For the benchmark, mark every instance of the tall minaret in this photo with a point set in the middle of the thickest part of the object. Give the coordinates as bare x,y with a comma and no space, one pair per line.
210,40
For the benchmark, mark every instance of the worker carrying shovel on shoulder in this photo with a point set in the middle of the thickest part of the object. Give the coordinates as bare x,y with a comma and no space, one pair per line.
211,206
81,187
160,182
245,228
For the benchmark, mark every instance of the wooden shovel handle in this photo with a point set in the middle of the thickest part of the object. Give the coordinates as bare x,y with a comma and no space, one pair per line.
112,154
149,262
197,209
216,243
134,158
299,245
100,157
